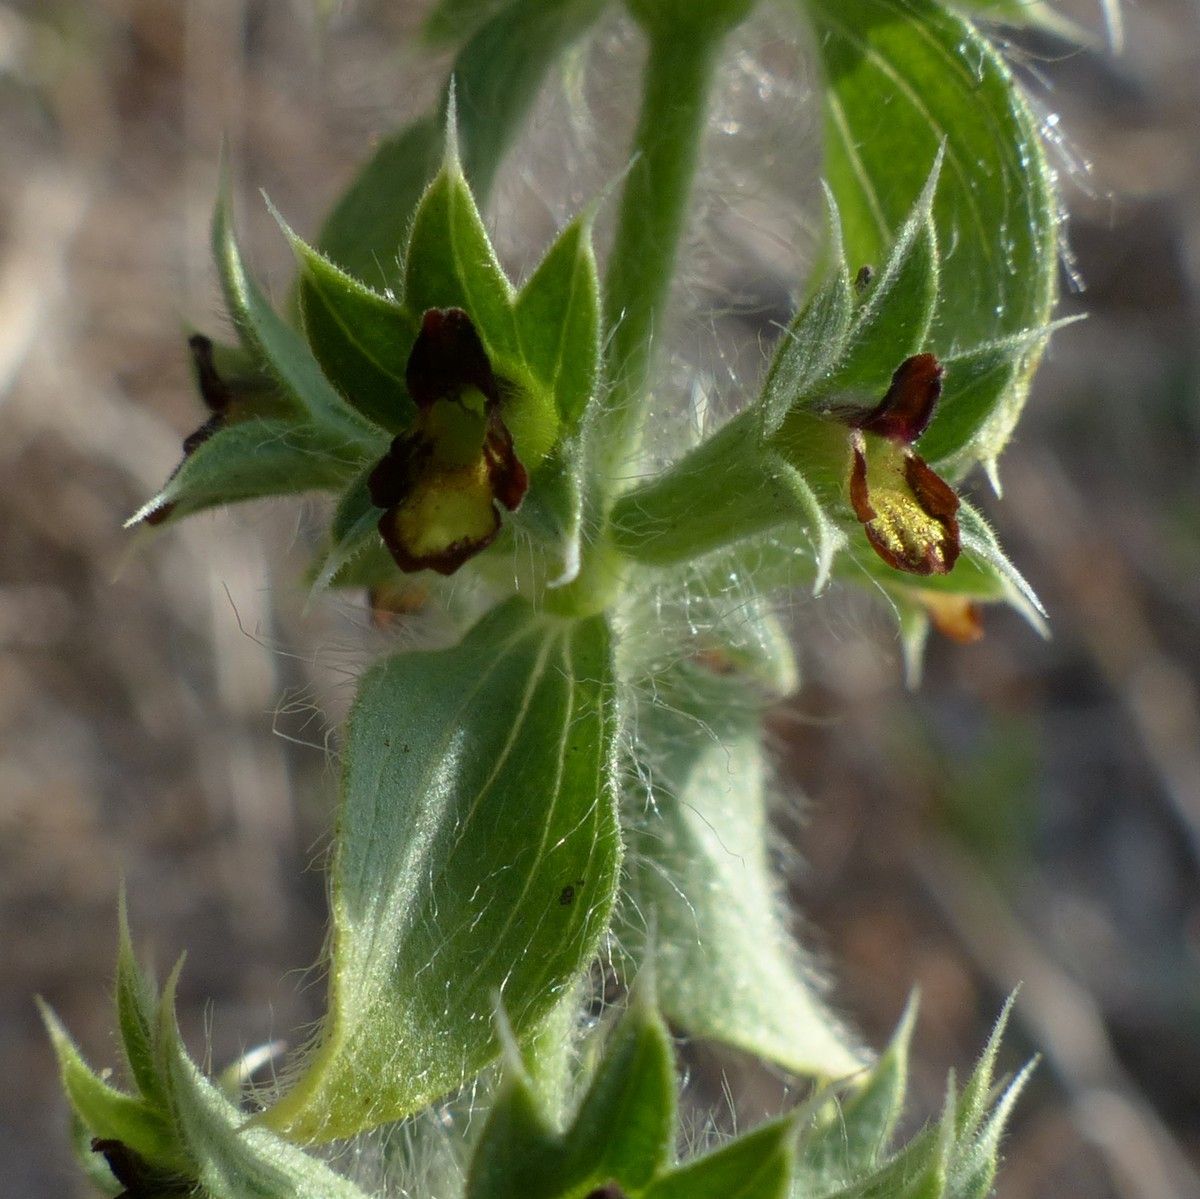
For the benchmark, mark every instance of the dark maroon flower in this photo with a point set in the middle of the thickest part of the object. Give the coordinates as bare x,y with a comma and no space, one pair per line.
905,411
140,1179
441,480
219,397
907,511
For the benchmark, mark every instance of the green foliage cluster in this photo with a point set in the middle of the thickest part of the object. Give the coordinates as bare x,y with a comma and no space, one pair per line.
582,775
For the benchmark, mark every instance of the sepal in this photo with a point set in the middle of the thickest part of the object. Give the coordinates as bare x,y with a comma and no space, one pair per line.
360,337
280,350
281,430
558,321
896,309
255,459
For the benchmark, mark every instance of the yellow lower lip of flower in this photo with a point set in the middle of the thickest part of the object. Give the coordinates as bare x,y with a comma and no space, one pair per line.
449,516
906,530
907,512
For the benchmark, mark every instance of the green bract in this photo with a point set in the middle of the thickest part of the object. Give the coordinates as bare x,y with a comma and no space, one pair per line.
176,1133
568,801
839,1146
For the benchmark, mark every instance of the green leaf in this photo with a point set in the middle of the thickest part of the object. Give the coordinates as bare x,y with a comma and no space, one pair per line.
975,1171
815,341
700,884
558,321
904,78
852,1139
497,76
136,1016
366,231
360,338
904,1176
969,390
227,1157
353,531
758,1165
895,318
518,1155
975,1099
283,351
450,262
477,858
107,1113
689,18
499,73
624,1129
256,458
451,19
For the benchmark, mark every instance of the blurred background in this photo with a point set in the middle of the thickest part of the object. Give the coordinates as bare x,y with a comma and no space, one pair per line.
1031,814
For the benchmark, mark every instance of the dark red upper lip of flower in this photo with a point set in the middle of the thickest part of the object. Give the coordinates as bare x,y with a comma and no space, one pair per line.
216,393
905,411
447,358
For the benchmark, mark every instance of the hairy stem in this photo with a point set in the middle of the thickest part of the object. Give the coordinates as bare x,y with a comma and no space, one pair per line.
676,86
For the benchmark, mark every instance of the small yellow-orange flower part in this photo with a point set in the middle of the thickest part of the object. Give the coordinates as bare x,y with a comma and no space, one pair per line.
954,616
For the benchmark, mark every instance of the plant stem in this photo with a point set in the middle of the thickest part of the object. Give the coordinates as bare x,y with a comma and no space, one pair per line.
676,86
733,486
